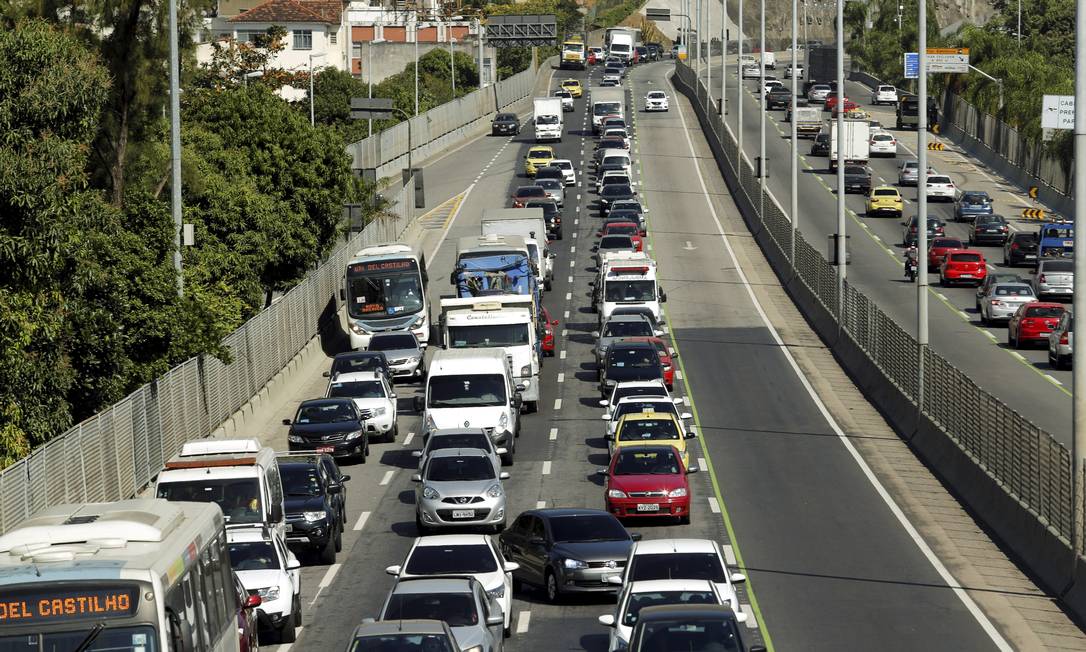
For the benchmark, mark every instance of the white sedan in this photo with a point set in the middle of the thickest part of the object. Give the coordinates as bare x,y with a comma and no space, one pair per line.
656,101
374,397
751,71
569,174
883,143
940,186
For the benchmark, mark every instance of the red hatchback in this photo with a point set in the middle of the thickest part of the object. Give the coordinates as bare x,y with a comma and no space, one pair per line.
963,266
623,228
648,481
938,248
831,104
548,333
1032,323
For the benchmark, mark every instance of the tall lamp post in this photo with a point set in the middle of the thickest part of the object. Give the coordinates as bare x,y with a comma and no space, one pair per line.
841,251
416,30
312,110
452,62
921,208
794,170
369,74
175,147
1078,364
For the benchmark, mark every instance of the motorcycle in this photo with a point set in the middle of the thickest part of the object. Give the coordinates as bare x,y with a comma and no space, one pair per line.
911,269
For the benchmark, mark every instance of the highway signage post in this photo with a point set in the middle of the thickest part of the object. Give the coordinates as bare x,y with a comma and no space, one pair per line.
658,14
1058,112
521,31
912,65
955,60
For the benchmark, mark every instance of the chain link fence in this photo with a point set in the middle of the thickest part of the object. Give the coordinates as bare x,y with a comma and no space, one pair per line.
117,452
1023,459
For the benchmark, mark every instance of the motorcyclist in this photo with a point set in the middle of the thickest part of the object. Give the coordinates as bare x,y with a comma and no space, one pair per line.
911,258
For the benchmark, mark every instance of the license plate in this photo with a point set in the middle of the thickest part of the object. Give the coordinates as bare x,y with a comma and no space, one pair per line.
325,449
463,513
650,507
1031,255
1068,243
966,275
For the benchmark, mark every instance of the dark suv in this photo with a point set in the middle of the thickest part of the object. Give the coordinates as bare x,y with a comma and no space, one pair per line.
629,361
551,214
1020,249
329,425
505,124
821,144
314,503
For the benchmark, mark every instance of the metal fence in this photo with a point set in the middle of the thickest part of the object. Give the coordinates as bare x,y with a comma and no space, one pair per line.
117,452
1024,459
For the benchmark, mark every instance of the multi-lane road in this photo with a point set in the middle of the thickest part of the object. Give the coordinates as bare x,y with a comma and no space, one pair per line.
833,563
1022,379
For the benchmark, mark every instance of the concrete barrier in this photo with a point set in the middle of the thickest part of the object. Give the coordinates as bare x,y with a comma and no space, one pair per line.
1038,548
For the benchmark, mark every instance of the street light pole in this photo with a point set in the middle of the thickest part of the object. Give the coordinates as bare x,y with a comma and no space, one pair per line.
922,208
175,147
312,110
1078,362
1020,23
723,57
761,114
452,63
794,171
739,87
416,24
842,252
709,56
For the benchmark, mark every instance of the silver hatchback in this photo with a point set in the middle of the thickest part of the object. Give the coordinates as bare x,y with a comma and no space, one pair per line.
1003,299
459,487
1054,278
555,189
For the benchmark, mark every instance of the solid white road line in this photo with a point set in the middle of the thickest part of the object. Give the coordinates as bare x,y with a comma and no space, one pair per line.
388,477
408,438
361,523
909,528
523,619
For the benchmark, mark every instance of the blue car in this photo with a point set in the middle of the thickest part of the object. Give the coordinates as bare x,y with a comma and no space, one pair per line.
971,204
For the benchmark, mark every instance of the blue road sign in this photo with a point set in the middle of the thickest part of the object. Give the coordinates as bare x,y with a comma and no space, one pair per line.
912,65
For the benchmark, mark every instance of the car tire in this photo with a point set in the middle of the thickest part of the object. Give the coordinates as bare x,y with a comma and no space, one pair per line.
547,284
420,526
394,434
507,459
288,633
339,537
550,588
498,528
328,552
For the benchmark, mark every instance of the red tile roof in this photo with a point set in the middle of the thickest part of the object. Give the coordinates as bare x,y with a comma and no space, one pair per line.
293,11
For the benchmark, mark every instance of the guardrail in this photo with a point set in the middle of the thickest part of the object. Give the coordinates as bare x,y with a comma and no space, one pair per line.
118,451
1013,474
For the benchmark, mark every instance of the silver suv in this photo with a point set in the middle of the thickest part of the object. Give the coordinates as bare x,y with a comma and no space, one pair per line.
457,487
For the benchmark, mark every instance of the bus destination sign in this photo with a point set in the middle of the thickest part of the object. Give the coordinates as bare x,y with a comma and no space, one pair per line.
23,607
382,266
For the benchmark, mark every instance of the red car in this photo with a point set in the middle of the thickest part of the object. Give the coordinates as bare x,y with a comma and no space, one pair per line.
963,266
648,481
831,103
623,228
938,248
548,333
247,617
667,357
1032,323
524,194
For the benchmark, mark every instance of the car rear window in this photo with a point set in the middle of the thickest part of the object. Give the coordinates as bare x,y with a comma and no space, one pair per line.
1014,291
965,258
1044,311
938,179
615,242
946,242
1059,266
1025,237
882,137
855,169
885,192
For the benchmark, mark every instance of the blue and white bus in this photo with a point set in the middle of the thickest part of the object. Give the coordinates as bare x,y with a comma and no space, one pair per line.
385,290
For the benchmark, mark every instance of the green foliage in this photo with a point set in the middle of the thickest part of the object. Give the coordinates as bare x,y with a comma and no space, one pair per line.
435,84
609,14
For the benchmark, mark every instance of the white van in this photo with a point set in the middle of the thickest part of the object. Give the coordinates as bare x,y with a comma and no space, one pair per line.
473,388
239,475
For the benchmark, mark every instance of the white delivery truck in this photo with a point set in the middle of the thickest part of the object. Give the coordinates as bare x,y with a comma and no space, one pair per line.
854,145
628,279
808,120
548,119
506,322
606,101
622,46
529,224
770,59
473,388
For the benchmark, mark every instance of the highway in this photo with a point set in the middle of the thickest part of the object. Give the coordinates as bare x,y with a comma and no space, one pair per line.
1022,379
833,564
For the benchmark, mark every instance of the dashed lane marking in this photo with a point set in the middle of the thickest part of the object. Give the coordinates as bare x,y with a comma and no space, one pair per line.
714,505
569,295
540,504
561,377
361,522
329,575
547,467
729,554
557,404
752,622
388,477
523,619
554,434
408,438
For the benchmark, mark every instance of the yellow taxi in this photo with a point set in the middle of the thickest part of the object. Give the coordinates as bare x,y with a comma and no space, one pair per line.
885,200
641,428
538,156
574,87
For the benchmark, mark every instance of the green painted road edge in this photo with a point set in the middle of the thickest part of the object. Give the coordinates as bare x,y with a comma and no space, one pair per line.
733,539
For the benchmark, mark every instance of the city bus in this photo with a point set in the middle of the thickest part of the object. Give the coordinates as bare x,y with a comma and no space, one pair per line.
142,575
385,290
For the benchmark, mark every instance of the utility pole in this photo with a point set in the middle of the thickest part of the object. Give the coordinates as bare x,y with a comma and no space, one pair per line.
416,24
312,111
452,62
709,56
842,251
922,208
175,148
697,42
794,171
761,114
481,28
739,86
723,57
1078,362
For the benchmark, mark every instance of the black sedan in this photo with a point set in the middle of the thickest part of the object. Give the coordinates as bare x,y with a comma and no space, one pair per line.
505,124
567,550
857,179
630,361
614,192
990,230
329,425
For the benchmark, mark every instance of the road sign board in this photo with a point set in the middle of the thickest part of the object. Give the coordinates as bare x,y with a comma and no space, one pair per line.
1058,112
372,103
954,60
658,14
365,114
521,30
912,65
682,53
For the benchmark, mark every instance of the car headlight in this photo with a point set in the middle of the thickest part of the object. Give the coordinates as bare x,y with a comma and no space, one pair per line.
574,564
677,493
430,493
354,435
295,439
495,490
414,359
616,493
379,412
496,593
503,421
268,593
430,424
313,517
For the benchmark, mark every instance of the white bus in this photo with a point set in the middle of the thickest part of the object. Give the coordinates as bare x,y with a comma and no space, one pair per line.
385,290
141,575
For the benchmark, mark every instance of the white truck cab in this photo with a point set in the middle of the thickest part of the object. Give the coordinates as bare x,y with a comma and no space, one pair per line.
240,475
473,388
547,118
628,278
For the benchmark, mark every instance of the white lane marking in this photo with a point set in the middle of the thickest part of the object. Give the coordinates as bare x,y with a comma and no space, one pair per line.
523,619
573,249
570,280
547,468
557,404
1018,355
752,622
578,196
990,335
729,555
564,332
408,438
910,529
567,314
540,504
678,374
361,522
561,378
575,234
714,505
569,295
388,477
572,263
702,465
562,355
577,220
329,575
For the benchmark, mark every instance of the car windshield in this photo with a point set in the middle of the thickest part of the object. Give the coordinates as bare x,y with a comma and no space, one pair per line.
402,643
549,184
616,242
300,479
253,555
456,609
656,95
459,440
627,329
885,192
629,291
652,462
1044,311
349,364
324,413
642,599
678,566
356,389
239,498
466,559
113,638
465,468
488,335
466,390
856,170
965,258
974,198
392,342
612,143
587,527
1014,291
615,161
545,120
537,153
636,407
606,108
648,430
506,117
1059,266
717,634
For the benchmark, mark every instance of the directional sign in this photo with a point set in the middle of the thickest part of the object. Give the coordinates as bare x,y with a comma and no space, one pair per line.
372,103
912,65
1058,112
948,60
658,14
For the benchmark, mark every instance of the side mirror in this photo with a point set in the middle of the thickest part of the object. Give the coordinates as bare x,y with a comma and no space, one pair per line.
286,422
740,617
595,333
293,563
605,416
663,297
690,435
327,374
636,536
252,601
607,620
692,469
416,453
657,332
499,451
416,477
603,403
393,570
521,387
601,471
614,579
344,478
393,395
676,400
419,404
452,278
738,578
495,619
503,476
510,566
686,415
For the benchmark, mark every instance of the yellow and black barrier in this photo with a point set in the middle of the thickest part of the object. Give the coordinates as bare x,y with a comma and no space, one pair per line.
936,147
1033,214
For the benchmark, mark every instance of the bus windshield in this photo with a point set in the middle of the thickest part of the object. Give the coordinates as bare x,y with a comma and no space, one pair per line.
384,289
239,498
138,638
629,290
